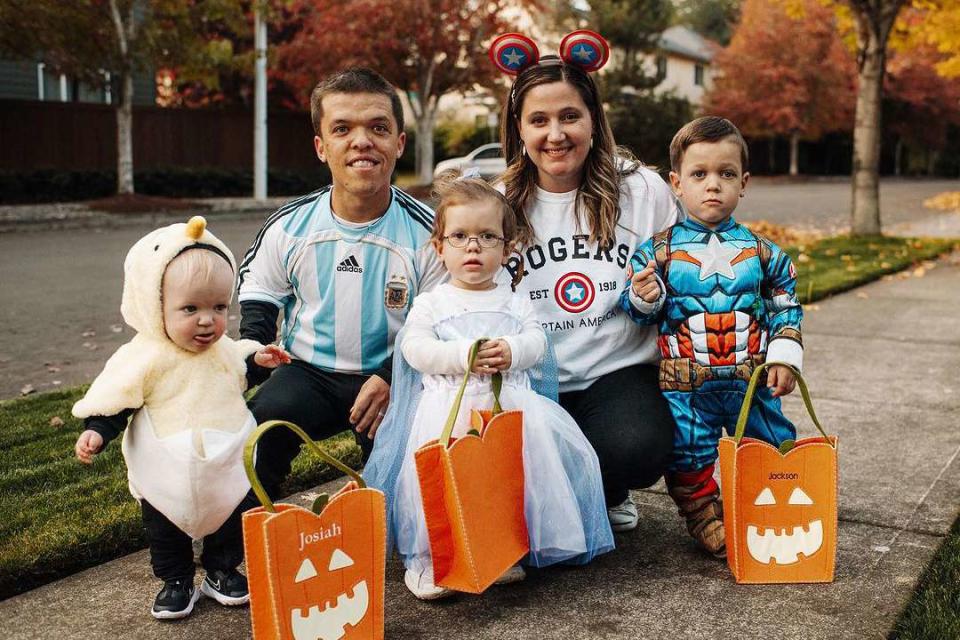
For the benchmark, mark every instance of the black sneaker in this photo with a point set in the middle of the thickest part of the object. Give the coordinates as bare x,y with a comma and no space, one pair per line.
226,587
175,600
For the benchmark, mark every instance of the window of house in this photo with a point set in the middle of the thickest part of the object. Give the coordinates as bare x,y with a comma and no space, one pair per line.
661,66
698,75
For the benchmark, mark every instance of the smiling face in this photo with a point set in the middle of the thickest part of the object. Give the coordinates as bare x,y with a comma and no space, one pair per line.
360,141
195,301
711,180
473,266
556,128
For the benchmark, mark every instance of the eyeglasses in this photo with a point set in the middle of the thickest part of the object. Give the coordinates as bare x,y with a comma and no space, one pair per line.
460,240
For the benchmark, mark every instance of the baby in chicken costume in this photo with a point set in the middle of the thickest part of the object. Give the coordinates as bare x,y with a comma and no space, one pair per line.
182,381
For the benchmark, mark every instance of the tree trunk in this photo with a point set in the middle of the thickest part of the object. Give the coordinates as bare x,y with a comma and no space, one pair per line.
898,157
425,126
772,156
125,136
874,22
794,154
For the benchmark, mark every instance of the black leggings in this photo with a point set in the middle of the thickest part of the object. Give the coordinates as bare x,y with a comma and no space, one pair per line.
626,419
317,401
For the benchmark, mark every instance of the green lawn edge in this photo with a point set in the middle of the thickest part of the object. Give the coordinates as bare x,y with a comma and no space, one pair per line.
58,517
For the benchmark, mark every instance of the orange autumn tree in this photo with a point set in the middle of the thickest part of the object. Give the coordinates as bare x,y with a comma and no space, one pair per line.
427,48
784,74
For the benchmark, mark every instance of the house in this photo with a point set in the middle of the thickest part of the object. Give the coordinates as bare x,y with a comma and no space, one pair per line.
683,63
27,80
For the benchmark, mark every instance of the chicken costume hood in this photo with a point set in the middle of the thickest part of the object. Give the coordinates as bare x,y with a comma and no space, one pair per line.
183,447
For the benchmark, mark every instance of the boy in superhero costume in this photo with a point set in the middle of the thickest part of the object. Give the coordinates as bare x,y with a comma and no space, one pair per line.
725,302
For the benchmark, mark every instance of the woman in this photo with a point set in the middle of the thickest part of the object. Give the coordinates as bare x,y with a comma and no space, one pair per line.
583,207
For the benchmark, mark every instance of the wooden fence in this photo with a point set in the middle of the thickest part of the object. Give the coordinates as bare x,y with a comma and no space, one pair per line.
79,136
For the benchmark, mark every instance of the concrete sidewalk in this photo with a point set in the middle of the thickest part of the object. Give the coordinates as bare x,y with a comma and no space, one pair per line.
881,364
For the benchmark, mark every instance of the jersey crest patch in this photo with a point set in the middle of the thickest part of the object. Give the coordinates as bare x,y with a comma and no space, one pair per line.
396,293
574,292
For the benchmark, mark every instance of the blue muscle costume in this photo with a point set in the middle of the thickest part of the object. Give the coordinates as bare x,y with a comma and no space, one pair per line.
727,303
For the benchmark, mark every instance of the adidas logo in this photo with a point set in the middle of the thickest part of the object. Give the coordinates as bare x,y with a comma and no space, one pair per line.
350,264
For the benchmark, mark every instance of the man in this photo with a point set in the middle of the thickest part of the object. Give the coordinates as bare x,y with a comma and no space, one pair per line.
343,263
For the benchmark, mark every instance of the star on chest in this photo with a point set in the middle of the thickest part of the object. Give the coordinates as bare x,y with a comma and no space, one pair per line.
717,258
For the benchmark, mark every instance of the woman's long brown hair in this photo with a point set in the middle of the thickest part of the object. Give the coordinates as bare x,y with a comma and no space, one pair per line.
598,197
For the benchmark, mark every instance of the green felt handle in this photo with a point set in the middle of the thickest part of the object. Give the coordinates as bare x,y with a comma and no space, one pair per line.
252,473
752,388
497,383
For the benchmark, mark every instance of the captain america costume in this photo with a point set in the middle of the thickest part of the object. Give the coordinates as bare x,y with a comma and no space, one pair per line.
727,303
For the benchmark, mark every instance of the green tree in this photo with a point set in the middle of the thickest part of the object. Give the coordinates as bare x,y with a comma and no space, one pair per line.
713,19
85,38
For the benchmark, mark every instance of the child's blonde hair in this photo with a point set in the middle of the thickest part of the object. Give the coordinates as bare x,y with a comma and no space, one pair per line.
451,188
198,264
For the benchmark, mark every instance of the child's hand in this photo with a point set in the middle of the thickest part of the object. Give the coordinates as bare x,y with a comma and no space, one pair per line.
644,283
271,356
88,445
494,355
780,378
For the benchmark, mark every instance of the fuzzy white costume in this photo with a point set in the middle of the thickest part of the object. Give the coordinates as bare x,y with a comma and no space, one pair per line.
184,445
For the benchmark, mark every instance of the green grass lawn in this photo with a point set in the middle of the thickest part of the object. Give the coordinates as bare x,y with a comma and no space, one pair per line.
58,516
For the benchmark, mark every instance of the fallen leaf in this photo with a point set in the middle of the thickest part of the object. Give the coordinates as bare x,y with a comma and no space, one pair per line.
862,295
811,307
89,333
56,383
852,267
53,369
56,422
885,265
919,272
26,389
116,328
803,258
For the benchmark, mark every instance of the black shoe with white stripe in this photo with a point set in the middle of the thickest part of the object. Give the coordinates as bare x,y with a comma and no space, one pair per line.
226,587
175,600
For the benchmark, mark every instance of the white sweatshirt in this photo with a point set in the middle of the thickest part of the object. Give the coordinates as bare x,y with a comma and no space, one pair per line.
574,286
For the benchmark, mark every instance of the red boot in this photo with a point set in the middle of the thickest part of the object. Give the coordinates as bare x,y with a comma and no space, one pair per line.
698,500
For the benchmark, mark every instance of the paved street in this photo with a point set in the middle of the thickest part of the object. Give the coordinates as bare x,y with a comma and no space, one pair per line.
58,286
882,374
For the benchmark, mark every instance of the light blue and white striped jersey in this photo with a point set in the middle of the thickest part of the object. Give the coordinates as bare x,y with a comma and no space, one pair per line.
344,289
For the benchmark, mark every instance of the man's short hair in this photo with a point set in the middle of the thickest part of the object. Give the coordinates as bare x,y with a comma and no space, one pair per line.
706,129
354,80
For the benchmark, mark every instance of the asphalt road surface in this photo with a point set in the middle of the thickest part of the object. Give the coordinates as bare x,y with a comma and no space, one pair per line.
60,290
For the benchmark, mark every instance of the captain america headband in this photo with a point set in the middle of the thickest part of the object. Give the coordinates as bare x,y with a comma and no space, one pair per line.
585,49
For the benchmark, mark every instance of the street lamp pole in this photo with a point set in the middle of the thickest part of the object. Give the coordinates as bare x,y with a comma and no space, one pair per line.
260,105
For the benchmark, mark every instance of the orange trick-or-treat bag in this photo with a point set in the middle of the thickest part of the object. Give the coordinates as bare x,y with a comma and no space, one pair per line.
779,505
315,574
472,491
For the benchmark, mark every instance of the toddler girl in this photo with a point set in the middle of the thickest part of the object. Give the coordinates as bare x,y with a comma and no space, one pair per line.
474,229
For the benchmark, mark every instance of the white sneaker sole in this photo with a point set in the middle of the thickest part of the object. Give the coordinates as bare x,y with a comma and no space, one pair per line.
176,615
210,592
422,594
620,527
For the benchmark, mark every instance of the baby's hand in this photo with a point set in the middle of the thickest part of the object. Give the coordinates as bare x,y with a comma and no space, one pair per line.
494,355
780,378
644,283
271,356
88,445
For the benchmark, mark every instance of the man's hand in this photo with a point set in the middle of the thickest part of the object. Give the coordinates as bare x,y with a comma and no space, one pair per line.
271,356
780,378
493,356
88,445
367,411
644,283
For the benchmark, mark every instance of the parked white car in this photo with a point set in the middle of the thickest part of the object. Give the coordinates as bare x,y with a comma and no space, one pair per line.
488,160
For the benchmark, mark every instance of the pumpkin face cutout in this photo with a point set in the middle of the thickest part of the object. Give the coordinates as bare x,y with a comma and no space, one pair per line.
766,545
324,573
780,510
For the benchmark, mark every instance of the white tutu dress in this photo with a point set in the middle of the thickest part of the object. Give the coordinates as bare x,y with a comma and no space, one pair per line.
563,493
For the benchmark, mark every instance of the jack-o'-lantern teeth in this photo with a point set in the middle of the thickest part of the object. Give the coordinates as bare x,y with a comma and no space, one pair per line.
767,545
329,622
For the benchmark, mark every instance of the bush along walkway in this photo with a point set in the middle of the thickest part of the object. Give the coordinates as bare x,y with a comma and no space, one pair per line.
879,366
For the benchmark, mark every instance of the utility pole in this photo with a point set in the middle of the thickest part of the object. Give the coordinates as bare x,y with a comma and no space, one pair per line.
260,105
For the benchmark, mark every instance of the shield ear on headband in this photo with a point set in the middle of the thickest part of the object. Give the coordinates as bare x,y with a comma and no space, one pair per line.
513,52
585,49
